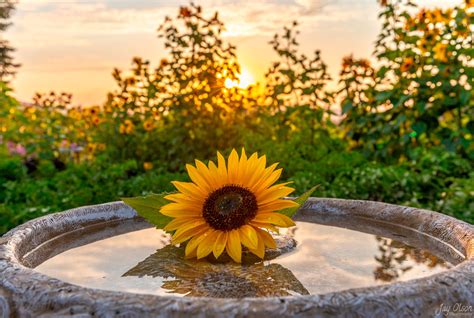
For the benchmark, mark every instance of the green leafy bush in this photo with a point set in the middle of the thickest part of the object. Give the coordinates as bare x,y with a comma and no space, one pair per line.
27,197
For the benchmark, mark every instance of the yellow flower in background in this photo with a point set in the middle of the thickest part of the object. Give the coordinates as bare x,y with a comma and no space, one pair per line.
228,205
440,52
423,45
147,165
95,120
148,125
127,127
407,64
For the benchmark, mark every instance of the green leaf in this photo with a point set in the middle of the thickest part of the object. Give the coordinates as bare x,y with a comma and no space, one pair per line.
464,96
300,200
383,96
347,107
148,207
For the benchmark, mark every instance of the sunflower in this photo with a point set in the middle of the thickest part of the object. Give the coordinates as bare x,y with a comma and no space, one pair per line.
440,52
407,64
227,206
148,125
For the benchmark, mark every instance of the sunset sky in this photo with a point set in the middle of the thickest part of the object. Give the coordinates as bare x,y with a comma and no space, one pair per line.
73,45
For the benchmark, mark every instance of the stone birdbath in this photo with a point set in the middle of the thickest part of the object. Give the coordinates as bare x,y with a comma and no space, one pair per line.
344,257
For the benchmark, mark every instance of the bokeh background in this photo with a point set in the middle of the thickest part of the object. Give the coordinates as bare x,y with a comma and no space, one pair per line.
101,99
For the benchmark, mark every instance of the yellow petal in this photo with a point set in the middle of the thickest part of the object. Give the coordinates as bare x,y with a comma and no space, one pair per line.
233,246
214,173
181,206
260,250
178,222
182,198
242,168
248,236
233,166
220,244
206,246
277,205
184,212
267,238
194,242
276,193
258,173
250,169
197,178
192,254
264,226
175,197
274,176
289,222
190,189
221,167
274,218
205,173
267,173
183,235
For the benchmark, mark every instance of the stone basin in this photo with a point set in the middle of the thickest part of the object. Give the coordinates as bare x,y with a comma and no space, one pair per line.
352,258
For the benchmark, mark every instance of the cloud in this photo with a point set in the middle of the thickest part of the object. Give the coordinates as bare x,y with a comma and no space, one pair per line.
44,19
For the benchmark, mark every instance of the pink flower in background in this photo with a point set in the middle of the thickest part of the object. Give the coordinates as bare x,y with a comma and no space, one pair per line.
10,147
74,147
16,149
21,150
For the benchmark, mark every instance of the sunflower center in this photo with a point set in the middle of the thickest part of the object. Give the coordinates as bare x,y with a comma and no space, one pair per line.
230,207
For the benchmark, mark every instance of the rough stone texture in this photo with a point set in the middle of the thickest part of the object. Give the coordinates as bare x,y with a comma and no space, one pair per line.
26,293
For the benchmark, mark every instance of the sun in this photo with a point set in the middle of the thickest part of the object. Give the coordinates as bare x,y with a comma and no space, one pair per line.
245,79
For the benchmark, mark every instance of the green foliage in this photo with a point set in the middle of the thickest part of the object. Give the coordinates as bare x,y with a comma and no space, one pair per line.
25,197
148,207
300,200
49,128
296,90
420,94
437,180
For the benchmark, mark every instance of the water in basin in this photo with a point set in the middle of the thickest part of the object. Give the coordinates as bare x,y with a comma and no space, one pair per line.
327,258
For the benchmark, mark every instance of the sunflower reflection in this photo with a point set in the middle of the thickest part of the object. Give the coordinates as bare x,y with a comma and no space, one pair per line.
192,277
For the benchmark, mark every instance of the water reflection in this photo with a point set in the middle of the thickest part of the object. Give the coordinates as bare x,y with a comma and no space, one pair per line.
217,279
327,258
396,258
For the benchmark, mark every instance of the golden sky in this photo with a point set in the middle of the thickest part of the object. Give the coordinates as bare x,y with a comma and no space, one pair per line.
73,45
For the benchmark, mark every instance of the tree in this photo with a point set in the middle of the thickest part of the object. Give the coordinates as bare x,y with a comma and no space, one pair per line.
7,65
296,87
182,108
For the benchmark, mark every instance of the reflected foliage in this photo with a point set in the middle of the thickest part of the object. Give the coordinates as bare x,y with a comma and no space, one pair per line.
395,257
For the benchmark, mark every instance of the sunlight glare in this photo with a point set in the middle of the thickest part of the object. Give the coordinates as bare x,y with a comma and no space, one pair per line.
245,79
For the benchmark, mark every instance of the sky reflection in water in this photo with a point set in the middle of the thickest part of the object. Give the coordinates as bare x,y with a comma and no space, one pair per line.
326,259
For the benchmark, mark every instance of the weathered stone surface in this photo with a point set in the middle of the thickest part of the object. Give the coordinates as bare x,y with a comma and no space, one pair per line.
26,293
